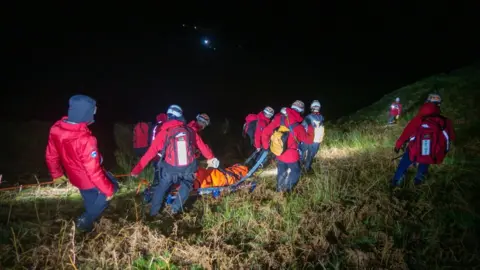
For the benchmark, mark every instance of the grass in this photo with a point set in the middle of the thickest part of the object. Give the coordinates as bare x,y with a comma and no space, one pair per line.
344,216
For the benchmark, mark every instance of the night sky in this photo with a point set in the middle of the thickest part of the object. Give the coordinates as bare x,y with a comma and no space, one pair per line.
137,60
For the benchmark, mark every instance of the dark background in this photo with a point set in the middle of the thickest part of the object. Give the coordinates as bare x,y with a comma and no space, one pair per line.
136,60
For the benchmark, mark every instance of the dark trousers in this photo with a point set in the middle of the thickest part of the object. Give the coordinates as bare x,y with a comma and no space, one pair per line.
308,153
171,175
139,152
402,168
94,202
287,179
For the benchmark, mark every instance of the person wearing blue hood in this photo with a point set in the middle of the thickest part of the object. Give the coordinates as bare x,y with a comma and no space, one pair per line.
72,150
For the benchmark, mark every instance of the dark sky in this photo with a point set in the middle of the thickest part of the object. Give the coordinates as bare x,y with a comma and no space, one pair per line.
136,60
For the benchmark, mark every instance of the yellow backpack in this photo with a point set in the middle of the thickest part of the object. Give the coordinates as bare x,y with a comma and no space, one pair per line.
279,138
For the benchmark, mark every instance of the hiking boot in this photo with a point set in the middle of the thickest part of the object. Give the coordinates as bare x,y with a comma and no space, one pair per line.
417,182
82,226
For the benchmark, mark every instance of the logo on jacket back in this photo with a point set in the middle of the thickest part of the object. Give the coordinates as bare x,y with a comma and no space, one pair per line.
93,154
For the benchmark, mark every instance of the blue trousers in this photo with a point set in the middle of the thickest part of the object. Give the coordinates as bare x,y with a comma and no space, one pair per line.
172,175
286,180
94,202
402,168
391,119
308,153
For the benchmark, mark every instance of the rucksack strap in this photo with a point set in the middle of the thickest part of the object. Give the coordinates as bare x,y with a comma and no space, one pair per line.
290,127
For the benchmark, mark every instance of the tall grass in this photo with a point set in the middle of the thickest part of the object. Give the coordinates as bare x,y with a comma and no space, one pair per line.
343,216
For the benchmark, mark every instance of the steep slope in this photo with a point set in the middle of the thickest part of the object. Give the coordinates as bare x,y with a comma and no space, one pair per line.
344,216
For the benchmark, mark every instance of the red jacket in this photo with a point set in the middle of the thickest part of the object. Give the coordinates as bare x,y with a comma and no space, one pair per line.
159,142
414,124
291,154
161,118
262,122
395,109
73,147
195,126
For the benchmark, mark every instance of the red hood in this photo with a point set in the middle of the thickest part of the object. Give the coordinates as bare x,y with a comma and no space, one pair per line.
162,117
428,109
80,127
172,123
261,116
293,116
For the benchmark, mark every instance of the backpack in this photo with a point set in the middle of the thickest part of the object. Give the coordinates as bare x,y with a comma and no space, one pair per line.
431,141
141,135
179,147
318,127
279,138
250,125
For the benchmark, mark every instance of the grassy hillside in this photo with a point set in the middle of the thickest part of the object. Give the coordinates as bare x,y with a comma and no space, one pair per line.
343,217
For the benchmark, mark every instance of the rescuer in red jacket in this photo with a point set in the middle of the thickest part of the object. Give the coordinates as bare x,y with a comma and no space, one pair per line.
200,123
395,111
175,144
72,150
290,159
437,132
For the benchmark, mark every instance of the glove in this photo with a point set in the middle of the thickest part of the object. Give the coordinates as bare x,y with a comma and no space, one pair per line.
109,198
133,175
396,150
396,117
214,163
61,179
258,149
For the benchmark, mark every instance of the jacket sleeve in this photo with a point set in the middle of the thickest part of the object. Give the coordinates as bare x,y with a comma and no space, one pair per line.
91,163
450,130
204,149
305,136
52,159
399,109
408,132
155,147
267,132
258,133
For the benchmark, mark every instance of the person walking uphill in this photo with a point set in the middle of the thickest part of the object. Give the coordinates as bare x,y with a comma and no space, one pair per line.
72,146
429,135
395,111
315,120
175,144
282,136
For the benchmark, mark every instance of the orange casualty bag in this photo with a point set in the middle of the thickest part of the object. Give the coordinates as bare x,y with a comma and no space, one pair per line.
216,178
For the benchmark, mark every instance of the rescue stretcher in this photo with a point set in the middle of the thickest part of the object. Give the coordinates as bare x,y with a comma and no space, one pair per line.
217,191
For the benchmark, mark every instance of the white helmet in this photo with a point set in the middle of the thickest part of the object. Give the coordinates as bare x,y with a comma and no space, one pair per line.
397,99
269,111
434,98
315,106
